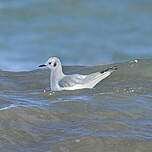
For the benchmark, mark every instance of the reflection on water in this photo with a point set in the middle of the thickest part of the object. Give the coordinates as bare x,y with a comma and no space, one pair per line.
114,116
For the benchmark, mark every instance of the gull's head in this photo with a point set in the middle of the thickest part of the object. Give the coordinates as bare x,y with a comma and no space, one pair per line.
52,63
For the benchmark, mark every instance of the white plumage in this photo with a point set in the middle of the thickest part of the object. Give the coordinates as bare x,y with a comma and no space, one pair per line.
60,81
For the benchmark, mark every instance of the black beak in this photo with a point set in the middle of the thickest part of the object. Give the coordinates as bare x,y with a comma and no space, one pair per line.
43,65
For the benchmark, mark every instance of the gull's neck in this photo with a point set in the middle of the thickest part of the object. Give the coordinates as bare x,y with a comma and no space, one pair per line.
56,76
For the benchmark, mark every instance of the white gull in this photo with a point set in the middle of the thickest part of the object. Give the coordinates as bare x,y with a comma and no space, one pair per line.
60,81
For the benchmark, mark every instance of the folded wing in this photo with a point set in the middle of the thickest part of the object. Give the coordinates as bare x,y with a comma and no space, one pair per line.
89,81
71,80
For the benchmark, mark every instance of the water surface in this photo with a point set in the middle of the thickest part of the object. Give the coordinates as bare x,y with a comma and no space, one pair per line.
106,32
114,116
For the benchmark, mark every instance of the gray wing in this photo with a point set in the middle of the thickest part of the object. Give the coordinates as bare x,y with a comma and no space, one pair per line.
71,80
90,80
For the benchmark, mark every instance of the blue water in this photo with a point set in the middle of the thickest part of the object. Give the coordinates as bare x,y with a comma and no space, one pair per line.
79,32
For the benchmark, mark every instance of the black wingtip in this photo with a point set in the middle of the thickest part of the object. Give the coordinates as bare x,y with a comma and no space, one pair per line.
114,68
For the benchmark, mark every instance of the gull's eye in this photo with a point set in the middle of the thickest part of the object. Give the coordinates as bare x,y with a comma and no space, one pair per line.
49,63
55,64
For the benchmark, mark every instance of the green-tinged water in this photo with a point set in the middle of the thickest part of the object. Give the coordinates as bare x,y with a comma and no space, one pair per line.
115,116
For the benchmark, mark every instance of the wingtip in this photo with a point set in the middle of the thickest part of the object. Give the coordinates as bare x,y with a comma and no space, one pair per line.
112,69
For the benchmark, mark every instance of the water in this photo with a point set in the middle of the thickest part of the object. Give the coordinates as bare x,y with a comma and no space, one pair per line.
107,32
115,116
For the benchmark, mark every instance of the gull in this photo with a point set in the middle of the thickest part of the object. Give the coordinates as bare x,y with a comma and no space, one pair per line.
59,81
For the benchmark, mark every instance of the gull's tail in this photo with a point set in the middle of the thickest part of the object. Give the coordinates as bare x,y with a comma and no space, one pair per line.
111,69
92,79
